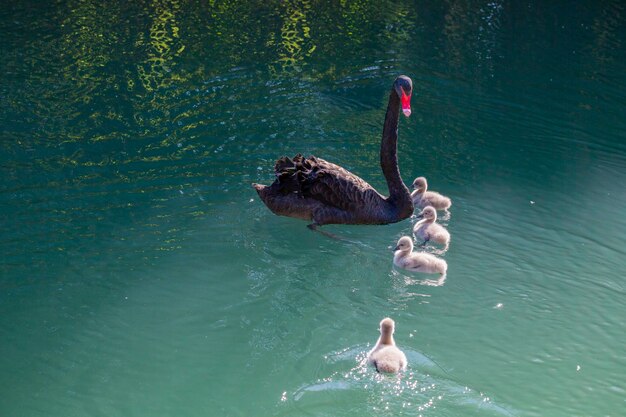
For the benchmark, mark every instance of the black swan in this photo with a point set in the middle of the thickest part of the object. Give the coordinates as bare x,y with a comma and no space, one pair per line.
324,193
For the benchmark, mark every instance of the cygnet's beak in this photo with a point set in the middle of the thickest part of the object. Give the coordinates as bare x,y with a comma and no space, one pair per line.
420,215
396,248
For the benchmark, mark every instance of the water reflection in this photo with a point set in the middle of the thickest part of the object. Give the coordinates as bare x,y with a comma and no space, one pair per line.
159,70
131,132
606,38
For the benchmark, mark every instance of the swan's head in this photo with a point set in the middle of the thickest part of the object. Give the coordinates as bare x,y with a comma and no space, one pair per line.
387,326
429,213
420,184
404,88
405,244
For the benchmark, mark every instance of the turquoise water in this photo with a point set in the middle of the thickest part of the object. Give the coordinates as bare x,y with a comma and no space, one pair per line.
142,276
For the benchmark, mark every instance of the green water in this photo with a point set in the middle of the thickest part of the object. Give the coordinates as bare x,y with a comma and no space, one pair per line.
142,276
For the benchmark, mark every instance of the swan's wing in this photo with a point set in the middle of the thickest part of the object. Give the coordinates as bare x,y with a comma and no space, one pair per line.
414,263
444,231
340,188
389,359
437,200
325,182
423,233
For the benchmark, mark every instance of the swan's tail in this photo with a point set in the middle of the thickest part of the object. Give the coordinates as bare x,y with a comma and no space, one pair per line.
290,204
262,190
265,192
442,266
295,175
388,367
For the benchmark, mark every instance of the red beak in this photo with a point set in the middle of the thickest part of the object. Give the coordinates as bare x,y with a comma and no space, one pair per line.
406,103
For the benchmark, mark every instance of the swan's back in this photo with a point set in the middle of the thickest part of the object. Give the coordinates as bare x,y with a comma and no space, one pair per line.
431,198
336,186
388,359
315,189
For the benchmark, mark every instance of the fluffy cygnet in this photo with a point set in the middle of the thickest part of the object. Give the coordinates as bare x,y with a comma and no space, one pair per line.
422,198
405,258
428,229
385,356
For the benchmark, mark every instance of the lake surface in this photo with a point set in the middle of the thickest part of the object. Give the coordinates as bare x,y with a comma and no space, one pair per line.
140,275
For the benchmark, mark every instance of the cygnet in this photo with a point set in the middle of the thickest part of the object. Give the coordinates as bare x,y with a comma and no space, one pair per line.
428,229
405,258
385,356
422,198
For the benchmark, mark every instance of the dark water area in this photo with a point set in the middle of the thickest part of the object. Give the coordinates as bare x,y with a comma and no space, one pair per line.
140,274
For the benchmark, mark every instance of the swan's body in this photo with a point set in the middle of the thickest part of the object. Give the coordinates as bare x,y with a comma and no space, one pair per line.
317,190
405,258
422,197
385,356
429,230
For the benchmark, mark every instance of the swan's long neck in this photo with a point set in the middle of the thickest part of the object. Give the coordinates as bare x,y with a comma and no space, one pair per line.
420,223
386,339
425,221
402,253
398,193
416,193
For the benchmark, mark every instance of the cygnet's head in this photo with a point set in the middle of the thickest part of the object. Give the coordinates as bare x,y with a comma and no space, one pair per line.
405,244
420,184
387,326
429,213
